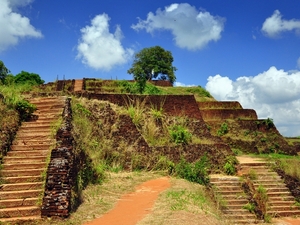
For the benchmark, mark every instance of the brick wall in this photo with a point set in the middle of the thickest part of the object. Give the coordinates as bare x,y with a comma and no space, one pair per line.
222,114
57,195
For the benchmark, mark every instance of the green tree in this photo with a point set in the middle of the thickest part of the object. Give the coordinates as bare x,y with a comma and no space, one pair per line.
153,63
3,71
26,77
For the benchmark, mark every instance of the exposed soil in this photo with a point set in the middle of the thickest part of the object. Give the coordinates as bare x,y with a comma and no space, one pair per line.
134,206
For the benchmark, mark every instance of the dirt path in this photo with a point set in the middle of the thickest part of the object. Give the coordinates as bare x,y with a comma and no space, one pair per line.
134,206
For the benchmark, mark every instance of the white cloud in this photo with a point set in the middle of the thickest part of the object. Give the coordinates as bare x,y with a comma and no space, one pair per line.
179,84
274,25
273,93
14,26
100,49
192,29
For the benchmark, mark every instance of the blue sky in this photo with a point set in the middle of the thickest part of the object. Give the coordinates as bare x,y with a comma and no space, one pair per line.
238,50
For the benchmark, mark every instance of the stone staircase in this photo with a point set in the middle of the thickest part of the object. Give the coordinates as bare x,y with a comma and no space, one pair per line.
22,178
280,202
232,199
78,86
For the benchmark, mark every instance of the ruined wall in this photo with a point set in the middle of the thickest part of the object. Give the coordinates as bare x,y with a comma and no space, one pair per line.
57,195
220,105
175,105
223,114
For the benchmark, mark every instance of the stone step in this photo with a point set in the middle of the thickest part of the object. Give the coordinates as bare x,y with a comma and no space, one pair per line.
36,130
33,135
283,208
235,207
236,202
28,172
20,194
25,159
236,211
231,192
24,166
235,217
20,212
279,193
281,203
233,197
50,105
21,179
284,213
225,183
28,153
21,186
46,101
218,178
228,188
280,198
9,203
271,185
30,142
254,164
30,147
21,220
277,189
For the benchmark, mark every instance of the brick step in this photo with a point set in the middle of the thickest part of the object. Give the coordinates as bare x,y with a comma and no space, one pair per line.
50,105
28,153
43,112
20,220
36,159
235,207
285,213
20,194
244,221
24,166
21,179
218,178
26,125
267,181
20,212
28,172
21,186
45,118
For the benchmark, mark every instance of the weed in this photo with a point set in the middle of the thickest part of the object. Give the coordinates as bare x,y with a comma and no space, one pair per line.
196,172
230,164
269,123
179,134
250,207
252,174
223,129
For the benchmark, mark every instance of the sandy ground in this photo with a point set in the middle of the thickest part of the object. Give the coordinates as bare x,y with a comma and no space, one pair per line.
132,207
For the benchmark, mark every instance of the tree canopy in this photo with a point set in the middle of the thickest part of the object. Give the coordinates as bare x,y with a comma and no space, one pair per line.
26,77
153,63
3,71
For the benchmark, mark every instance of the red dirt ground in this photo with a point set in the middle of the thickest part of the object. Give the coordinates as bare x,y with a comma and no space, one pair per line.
133,207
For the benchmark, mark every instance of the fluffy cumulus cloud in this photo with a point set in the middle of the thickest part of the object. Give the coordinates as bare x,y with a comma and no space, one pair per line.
100,49
14,26
275,25
273,94
192,29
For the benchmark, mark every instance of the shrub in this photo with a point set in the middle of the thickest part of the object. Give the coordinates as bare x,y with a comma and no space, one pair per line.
180,135
223,129
25,109
196,172
229,167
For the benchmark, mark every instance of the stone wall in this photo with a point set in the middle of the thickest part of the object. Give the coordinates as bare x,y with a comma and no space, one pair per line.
57,195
